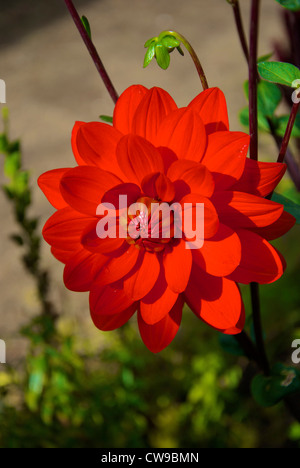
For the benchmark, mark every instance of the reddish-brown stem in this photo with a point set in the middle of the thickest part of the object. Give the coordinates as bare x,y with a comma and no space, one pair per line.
254,22
240,28
288,132
92,50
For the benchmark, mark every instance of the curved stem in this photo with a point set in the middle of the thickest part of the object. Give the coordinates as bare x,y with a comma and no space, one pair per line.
240,28
192,53
92,50
288,132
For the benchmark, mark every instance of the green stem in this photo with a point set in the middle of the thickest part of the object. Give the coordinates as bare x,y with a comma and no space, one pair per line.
192,53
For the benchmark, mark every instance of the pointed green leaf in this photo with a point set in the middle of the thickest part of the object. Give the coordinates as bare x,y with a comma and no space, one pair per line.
106,118
289,206
150,41
170,42
149,55
87,26
180,51
265,58
279,72
162,56
293,5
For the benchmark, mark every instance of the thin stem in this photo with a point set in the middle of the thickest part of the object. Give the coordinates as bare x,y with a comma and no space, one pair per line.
92,50
288,132
264,364
192,53
240,28
289,159
248,347
253,126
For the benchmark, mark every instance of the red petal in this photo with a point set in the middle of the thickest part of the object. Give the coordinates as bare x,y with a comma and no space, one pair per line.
138,158
178,265
63,230
212,108
184,133
132,192
277,229
260,178
108,300
221,254
83,187
49,183
80,161
143,277
96,144
81,270
119,266
225,157
62,255
243,210
112,322
158,303
158,336
93,243
126,107
168,157
158,186
260,261
216,301
210,221
195,175
152,110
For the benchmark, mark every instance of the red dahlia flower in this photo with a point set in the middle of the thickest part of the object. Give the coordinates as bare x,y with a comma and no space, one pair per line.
157,152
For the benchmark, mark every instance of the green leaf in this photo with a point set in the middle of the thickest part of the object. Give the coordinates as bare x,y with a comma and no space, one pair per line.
150,54
283,381
263,124
279,72
106,118
293,5
280,124
268,97
162,56
170,42
265,58
289,206
150,41
180,51
87,26
12,164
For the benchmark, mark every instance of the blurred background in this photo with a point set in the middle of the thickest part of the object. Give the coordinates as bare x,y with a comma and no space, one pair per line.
82,387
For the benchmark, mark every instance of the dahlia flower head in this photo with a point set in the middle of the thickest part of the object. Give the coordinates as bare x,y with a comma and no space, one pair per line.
157,152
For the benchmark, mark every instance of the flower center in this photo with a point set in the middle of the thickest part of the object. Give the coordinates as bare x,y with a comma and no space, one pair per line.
150,224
